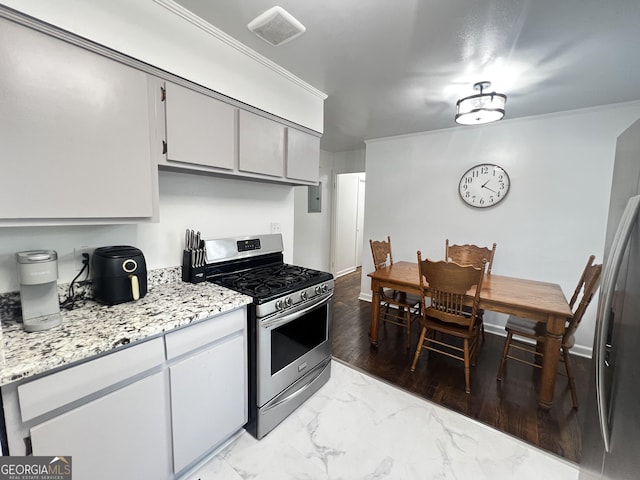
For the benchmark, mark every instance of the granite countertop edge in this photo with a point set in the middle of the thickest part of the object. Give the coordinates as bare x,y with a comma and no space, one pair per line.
92,329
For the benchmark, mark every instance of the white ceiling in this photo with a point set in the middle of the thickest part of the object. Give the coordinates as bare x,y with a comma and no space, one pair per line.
398,66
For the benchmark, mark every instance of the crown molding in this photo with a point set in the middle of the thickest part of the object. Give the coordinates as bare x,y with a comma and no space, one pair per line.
198,22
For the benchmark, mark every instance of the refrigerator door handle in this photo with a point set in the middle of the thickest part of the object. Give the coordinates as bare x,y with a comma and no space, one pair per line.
604,315
607,350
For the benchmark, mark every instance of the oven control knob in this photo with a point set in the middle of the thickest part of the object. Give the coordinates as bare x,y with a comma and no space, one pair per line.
279,305
288,302
303,295
324,288
318,290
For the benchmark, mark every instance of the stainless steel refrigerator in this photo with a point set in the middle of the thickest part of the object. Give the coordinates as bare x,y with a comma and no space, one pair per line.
611,439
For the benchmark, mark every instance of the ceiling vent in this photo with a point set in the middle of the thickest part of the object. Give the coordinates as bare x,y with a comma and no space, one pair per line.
276,26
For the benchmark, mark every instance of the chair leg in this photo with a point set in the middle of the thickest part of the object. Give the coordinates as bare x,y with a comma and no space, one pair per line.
473,350
572,383
385,315
467,367
418,348
505,352
408,319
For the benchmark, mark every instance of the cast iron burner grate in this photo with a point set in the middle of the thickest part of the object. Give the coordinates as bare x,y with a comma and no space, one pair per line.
264,283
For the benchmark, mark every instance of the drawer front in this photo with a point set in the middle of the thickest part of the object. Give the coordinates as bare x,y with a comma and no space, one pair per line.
204,333
48,393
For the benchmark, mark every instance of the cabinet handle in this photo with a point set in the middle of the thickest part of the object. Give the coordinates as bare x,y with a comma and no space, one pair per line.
164,147
163,94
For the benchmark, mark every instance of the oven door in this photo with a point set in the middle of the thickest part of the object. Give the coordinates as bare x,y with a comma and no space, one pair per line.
292,343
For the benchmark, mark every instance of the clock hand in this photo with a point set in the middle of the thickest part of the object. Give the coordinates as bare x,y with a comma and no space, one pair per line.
490,189
483,185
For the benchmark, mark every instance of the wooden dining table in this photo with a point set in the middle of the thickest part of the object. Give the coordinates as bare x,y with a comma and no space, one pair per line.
532,299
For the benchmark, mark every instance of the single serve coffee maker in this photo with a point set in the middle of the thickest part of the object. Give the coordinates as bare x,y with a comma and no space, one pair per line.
38,276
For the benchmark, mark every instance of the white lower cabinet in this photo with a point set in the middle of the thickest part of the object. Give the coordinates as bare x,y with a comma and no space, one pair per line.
122,435
208,376
206,399
148,411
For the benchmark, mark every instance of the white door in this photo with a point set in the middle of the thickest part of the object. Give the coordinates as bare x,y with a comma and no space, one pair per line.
349,217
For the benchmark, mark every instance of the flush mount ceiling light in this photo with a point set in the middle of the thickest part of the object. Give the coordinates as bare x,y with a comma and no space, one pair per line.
482,107
276,26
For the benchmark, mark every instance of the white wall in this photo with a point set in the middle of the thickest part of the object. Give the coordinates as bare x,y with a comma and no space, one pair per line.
217,207
554,217
163,34
314,231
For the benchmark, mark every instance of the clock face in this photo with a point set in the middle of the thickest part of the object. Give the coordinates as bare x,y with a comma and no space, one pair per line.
484,185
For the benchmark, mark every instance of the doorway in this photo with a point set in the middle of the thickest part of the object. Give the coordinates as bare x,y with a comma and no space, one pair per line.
349,221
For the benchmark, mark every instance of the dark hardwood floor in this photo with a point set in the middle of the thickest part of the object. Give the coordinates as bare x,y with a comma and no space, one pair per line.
510,406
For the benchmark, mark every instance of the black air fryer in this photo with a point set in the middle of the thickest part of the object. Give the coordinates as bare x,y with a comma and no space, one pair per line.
119,274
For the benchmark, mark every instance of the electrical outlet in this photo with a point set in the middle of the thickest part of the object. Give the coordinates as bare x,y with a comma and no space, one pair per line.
276,228
78,258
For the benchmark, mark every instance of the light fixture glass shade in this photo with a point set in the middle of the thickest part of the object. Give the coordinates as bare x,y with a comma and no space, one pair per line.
480,108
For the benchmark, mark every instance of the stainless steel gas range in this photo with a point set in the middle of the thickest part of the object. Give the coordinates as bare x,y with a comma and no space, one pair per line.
289,323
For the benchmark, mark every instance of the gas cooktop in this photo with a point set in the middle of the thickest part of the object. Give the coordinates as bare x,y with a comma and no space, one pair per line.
271,281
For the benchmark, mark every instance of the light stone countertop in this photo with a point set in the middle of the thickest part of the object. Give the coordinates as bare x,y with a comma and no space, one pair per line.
92,329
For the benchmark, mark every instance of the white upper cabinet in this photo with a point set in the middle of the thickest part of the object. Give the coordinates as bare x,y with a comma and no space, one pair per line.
201,133
74,134
261,146
200,130
303,156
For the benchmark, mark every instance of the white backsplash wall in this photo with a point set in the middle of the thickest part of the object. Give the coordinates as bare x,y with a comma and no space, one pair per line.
218,207
554,217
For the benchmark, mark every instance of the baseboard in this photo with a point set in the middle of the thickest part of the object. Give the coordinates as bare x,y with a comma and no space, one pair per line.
346,271
365,296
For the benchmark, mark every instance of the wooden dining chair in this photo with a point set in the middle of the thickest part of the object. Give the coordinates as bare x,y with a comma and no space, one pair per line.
468,254
396,307
521,332
448,286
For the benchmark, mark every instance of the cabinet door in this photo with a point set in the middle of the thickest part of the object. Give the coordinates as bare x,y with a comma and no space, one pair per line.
200,129
303,156
74,132
261,145
123,435
208,399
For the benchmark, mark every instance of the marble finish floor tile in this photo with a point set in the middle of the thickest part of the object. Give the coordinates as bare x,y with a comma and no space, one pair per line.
357,427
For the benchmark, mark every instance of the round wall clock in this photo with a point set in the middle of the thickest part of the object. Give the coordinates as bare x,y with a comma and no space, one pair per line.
484,185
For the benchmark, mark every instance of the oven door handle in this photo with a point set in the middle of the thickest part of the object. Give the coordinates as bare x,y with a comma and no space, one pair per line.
285,396
278,321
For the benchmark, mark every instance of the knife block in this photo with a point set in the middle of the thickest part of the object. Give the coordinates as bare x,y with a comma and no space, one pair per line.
190,273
